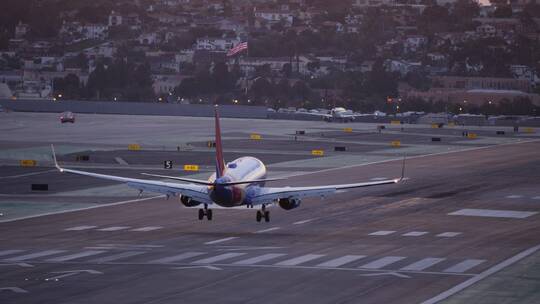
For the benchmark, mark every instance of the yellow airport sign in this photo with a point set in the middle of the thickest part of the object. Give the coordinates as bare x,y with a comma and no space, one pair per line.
255,136
471,135
28,163
134,147
191,167
396,143
348,130
395,122
435,126
317,152
529,130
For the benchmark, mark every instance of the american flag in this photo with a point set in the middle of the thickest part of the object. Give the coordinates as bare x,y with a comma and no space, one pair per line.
237,49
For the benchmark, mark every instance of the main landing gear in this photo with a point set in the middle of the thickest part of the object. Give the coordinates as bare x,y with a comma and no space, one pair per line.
263,213
205,212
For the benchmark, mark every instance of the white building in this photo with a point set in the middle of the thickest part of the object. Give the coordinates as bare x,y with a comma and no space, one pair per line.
274,16
94,31
216,43
115,19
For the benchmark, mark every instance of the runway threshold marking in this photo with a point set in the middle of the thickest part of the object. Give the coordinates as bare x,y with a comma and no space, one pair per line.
382,262
494,213
341,261
464,266
423,264
34,255
76,256
177,258
300,260
261,258
221,240
514,259
219,257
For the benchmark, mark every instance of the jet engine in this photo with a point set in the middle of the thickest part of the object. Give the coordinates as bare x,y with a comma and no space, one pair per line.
289,203
188,201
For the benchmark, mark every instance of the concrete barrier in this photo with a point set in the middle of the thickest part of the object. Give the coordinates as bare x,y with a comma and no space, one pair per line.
134,108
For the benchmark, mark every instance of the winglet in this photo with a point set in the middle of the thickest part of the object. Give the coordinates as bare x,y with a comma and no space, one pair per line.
55,161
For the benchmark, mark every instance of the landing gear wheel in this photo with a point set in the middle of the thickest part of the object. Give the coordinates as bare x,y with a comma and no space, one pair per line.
267,216
209,214
259,216
201,214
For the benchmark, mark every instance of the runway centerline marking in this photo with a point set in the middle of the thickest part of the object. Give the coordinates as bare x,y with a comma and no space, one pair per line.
448,234
303,222
267,230
382,232
494,213
146,229
415,233
514,196
114,228
80,228
221,240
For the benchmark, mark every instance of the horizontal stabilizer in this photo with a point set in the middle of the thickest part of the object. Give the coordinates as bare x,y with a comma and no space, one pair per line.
207,183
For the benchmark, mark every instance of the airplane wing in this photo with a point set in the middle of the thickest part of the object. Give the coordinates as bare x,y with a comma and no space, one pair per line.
269,194
196,192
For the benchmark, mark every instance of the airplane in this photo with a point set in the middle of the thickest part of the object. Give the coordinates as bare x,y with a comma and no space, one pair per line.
339,114
240,183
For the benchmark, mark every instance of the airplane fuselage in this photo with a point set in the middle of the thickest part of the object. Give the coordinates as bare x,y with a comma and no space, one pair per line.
244,168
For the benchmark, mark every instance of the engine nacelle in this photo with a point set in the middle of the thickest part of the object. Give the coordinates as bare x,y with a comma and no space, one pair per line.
188,201
289,203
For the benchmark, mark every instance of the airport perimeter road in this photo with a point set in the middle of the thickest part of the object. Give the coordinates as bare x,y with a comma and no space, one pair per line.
459,218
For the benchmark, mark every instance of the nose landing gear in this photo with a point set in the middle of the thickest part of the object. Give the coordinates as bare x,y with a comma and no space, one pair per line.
205,212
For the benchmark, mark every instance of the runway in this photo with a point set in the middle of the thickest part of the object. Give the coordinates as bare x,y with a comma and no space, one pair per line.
461,215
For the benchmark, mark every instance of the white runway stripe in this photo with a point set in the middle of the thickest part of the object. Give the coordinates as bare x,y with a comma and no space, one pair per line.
221,240
382,262
494,213
267,230
300,260
303,222
80,228
415,233
382,232
114,228
448,234
8,252
146,229
464,266
261,258
34,255
177,258
116,257
76,256
514,196
341,261
423,264
218,258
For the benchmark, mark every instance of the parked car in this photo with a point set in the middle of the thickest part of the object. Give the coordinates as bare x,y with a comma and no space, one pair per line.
67,117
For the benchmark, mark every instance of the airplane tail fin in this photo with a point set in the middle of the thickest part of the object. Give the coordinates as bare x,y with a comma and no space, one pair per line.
220,162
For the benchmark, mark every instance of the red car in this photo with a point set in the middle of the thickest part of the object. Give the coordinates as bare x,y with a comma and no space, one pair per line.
67,117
